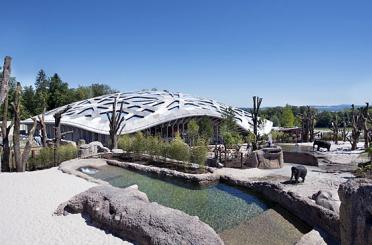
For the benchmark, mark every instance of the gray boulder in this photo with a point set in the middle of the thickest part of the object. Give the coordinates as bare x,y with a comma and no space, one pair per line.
129,214
326,200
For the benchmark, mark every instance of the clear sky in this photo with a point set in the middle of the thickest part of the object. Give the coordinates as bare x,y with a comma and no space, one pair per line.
297,52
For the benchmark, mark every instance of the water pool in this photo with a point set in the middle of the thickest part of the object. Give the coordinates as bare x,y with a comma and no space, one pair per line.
221,206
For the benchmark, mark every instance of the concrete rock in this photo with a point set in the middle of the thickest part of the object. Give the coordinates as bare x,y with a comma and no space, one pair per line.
313,237
303,158
117,151
129,214
266,158
199,179
326,200
91,149
304,208
356,211
68,142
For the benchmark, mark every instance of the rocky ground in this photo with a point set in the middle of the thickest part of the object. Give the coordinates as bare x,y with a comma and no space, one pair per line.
316,179
335,167
271,227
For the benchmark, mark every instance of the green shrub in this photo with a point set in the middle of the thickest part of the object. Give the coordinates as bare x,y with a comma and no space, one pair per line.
139,143
231,138
66,152
125,143
154,145
199,153
164,149
45,158
278,136
369,151
178,149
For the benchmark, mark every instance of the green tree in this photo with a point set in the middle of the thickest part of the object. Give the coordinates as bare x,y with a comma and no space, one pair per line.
324,119
192,131
42,85
228,129
98,89
275,120
29,103
206,128
228,118
287,118
59,93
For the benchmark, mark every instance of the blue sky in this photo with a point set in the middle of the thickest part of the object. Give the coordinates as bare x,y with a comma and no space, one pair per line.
297,52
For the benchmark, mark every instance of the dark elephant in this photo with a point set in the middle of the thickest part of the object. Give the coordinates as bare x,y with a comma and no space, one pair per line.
322,144
297,172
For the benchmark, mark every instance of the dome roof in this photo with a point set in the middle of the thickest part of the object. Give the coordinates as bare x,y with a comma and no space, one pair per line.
145,109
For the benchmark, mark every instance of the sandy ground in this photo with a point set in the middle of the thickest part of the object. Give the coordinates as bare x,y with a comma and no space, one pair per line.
27,203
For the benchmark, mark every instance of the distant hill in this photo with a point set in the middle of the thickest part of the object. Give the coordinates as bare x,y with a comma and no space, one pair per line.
320,108
332,108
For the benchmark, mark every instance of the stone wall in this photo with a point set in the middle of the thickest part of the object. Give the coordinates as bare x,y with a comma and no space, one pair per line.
356,212
303,158
199,179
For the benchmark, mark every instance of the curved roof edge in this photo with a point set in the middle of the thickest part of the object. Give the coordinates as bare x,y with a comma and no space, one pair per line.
146,109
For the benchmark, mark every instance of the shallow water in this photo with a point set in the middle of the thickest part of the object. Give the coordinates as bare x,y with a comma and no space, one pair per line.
221,206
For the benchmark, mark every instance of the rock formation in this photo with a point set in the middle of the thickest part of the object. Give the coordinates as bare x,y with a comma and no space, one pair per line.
356,211
91,149
129,214
326,200
266,158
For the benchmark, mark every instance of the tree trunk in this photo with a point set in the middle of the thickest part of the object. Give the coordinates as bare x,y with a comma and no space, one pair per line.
116,123
356,123
16,133
6,77
20,159
28,146
42,126
4,127
255,120
57,131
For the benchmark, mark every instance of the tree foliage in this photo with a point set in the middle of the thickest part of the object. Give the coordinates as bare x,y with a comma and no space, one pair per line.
192,131
52,92
206,128
228,129
287,118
